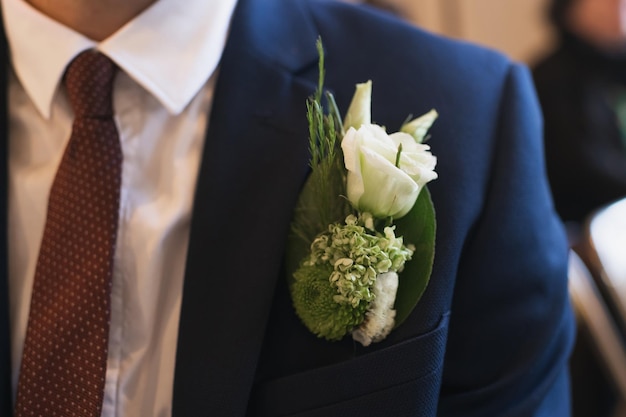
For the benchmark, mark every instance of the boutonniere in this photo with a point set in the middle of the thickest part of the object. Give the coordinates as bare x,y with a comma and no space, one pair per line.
362,239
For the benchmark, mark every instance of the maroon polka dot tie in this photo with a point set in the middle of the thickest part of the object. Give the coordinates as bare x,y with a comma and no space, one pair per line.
65,353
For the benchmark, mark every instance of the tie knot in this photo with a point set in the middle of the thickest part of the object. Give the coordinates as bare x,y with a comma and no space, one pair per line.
89,83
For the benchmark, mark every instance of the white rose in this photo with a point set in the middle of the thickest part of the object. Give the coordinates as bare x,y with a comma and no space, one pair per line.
378,181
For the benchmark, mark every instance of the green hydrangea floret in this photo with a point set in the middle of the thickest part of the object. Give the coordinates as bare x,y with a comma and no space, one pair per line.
333,288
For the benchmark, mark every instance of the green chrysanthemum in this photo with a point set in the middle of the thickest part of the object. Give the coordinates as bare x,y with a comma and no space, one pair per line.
314,302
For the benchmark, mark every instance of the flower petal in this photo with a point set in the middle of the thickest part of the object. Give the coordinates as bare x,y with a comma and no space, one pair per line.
360,110
419,126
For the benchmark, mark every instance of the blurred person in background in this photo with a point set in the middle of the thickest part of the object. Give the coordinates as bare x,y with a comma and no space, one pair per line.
582,89
581,85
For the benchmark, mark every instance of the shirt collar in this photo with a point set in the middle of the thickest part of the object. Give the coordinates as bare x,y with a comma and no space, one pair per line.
171,49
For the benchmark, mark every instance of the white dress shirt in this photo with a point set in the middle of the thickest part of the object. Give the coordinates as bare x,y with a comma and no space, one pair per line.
168,56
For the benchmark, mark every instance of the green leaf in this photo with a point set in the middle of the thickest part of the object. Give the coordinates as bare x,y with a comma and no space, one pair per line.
315,210
417,228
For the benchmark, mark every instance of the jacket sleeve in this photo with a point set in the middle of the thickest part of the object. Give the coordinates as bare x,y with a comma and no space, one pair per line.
511,327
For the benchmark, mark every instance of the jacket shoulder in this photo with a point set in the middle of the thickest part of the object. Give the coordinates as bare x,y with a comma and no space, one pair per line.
370,35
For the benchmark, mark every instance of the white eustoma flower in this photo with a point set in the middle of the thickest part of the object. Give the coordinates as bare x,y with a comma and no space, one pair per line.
385,172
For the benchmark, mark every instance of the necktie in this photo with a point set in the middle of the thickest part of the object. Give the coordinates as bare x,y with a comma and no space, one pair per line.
65,352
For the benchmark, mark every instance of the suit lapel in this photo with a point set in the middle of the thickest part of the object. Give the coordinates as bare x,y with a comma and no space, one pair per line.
254,163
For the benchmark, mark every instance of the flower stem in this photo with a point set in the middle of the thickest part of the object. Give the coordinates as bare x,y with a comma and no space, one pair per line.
398,156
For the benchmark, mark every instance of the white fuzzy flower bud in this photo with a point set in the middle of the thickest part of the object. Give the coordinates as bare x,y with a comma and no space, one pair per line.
380,316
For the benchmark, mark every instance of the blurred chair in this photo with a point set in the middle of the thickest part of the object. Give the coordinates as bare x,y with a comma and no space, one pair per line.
598,289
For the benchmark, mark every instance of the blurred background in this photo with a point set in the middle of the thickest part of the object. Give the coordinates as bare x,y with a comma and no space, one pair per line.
517,27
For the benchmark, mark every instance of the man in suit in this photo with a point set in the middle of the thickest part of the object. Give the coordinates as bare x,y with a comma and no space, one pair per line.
201,322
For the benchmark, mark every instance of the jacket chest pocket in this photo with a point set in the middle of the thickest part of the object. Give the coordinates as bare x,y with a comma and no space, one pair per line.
401,380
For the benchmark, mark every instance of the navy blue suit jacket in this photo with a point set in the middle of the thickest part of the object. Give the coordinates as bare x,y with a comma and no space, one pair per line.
492,333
